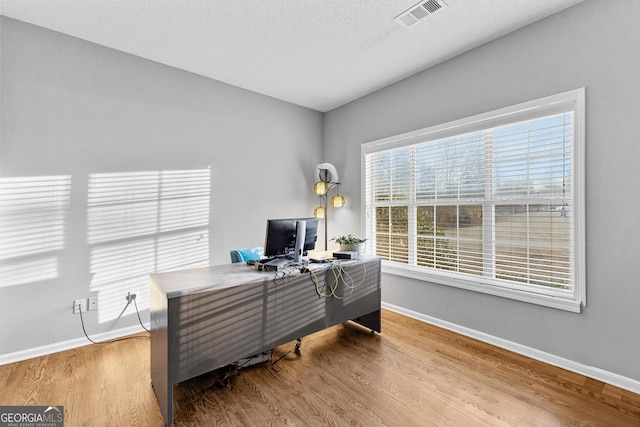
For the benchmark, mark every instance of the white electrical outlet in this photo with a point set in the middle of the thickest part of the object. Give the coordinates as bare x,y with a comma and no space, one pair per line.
93,303
79,305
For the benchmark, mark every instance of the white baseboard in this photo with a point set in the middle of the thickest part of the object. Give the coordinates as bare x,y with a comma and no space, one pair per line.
19,356
570,365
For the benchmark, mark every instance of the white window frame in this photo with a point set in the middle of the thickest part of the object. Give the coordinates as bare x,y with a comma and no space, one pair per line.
570,101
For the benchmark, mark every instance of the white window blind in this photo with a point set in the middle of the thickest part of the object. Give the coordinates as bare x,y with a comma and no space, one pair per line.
487,203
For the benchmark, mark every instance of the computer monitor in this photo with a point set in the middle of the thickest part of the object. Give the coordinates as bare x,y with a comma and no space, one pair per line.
282,237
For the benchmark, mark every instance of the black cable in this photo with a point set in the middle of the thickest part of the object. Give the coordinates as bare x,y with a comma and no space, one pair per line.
83,329
138,313
296,349
248,360
109,341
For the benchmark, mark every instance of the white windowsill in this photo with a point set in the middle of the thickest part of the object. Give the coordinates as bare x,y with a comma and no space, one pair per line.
559,302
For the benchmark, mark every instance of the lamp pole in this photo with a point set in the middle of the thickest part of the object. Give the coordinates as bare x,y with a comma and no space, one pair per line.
337,201
326,244
322,188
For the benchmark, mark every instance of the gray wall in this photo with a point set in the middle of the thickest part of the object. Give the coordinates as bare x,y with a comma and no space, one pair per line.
74,108
595,44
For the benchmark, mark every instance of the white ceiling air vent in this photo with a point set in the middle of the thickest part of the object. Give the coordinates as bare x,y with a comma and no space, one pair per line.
419,11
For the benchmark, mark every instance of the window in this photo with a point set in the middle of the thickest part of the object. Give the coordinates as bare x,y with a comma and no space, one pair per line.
492,203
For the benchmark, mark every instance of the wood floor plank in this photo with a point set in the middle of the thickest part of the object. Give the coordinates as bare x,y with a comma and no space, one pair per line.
413,374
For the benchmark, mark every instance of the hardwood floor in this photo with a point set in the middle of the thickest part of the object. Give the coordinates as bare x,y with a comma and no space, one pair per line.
412,374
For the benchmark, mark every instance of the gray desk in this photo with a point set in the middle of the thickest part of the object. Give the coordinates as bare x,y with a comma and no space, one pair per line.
206,318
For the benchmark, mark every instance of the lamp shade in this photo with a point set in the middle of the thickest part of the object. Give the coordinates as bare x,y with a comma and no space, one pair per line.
320,188
337,201
327,172
319,212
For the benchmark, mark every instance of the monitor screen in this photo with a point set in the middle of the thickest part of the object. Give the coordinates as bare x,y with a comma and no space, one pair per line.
281,236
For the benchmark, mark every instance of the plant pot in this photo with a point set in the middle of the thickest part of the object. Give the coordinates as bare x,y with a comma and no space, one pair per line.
357,247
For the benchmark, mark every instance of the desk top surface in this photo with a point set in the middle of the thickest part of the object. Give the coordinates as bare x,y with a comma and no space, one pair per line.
196,280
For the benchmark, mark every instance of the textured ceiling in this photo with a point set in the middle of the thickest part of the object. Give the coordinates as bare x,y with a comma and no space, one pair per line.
319,54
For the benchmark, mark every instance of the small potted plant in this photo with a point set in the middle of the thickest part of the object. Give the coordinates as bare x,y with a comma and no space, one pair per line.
350,243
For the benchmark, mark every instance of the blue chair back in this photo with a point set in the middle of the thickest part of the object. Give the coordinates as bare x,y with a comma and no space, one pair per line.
244,255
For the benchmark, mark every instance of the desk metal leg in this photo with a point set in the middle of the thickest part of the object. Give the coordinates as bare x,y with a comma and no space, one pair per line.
164,394
169,417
